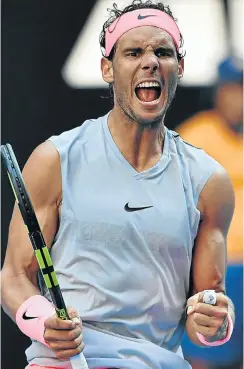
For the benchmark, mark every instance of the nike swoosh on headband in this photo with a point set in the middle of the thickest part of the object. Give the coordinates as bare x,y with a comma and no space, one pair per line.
129,209
144,16
25,317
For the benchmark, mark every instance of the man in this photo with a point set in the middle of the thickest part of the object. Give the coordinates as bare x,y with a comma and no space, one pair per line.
219,132
123,202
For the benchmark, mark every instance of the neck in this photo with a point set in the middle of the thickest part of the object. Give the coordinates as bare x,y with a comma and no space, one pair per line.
140,145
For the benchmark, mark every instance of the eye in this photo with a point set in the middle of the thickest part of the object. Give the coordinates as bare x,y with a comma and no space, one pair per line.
163,52
133,53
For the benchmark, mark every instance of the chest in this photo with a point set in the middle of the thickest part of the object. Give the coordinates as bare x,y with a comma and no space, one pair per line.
111,205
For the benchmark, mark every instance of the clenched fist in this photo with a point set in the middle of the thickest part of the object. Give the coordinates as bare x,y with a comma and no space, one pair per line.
64,337
211,321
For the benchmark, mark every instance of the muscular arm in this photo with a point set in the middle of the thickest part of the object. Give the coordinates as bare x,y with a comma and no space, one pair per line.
19,274
216,204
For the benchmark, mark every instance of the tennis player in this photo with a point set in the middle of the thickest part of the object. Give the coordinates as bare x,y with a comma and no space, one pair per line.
136,219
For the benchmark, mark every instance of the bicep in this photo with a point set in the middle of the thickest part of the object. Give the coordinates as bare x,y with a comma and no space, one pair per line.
42,178
210,254
20,257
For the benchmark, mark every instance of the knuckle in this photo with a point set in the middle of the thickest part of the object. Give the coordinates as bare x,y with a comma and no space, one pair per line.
46,335
73,334
197,307
53,345
62,355
77,332
222,298
59,355
47,323
195,316
58,323
78,341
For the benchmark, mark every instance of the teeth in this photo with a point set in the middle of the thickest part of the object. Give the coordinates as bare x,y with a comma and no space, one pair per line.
149,84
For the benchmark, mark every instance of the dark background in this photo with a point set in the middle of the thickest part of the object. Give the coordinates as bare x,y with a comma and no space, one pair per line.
36,102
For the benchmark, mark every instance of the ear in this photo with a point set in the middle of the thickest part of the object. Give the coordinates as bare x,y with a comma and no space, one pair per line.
107,70
181,69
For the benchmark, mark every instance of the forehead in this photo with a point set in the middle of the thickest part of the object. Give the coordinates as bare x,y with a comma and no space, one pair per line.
145,36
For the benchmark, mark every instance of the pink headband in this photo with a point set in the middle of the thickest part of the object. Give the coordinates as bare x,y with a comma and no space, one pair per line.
138,18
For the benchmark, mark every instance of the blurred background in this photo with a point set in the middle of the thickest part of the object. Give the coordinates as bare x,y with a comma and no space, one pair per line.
51,83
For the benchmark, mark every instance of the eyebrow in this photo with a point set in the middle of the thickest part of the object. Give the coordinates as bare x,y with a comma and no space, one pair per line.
139,49
165,48
127,49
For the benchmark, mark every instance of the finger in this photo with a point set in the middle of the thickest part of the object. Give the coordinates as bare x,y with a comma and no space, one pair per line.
221,299
207,321
205,331
211,310
66,354
62,335
73,313
55,322
76,320
208,297
191,302
66,345
190,310
193,299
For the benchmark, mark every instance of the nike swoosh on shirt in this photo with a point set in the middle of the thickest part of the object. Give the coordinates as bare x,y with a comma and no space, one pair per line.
144,16
25,317
129,209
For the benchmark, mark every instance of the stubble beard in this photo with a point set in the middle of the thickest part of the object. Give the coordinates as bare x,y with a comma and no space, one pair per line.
133,118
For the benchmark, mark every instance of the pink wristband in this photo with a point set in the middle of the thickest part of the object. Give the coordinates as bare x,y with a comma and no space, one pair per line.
31,316
219,342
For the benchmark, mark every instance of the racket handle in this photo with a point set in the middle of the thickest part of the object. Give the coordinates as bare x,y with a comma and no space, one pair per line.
79,362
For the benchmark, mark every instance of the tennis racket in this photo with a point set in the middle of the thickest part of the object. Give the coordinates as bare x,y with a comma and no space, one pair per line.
37,240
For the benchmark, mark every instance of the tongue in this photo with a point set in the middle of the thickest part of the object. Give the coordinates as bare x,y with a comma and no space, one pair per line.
146,94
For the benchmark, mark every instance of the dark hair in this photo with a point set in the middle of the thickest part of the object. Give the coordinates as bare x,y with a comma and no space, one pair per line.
136,4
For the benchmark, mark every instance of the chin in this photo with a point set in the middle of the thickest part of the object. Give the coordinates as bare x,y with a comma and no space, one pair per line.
148,115
148,119
150,112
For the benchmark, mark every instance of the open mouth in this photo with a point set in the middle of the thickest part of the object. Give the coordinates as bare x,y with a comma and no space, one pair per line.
148,91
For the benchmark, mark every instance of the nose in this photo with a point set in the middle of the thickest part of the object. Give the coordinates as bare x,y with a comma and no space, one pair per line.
150,62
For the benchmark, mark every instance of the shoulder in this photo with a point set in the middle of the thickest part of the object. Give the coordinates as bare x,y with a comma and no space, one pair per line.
195,156
43,159
77,134
195,164
42,174
217,200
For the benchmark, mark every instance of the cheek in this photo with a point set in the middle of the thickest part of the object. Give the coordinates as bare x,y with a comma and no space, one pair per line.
122,86
123,76
169,72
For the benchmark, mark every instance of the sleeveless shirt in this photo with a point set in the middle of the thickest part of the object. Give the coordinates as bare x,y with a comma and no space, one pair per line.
123,249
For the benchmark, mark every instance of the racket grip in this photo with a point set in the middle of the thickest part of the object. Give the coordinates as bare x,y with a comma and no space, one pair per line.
79,362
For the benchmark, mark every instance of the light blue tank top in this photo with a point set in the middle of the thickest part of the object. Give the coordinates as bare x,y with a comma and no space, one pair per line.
123,250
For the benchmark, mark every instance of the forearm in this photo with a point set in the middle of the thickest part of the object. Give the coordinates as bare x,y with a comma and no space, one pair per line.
15,290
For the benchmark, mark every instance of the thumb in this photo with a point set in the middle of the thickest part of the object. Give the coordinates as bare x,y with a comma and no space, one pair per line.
189,310
191,302
74,315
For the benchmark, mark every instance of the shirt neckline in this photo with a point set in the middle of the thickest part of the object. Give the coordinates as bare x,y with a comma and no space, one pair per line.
158,167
